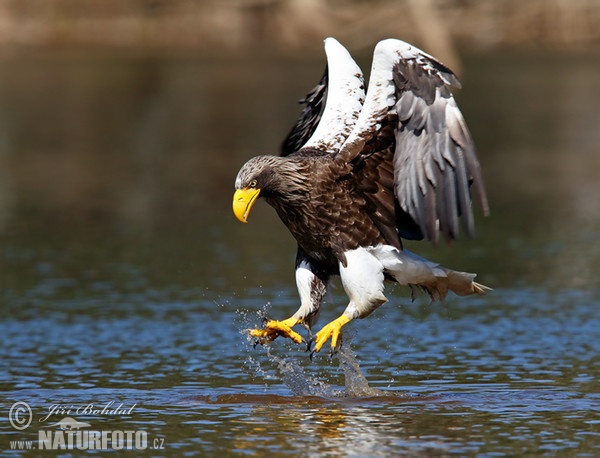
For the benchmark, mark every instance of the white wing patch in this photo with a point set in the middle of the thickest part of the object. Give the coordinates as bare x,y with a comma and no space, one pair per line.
380,95
345,96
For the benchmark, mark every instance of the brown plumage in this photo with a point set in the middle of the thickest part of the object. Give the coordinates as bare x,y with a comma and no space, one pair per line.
349,186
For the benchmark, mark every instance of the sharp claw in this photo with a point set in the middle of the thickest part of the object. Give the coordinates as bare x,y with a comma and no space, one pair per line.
310,348
331,331
273,329
338,347
309,344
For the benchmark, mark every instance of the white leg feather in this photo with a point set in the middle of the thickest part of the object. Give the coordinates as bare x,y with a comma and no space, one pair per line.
362,279
311,289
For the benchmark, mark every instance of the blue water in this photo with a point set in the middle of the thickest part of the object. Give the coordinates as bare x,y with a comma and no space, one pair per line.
124,279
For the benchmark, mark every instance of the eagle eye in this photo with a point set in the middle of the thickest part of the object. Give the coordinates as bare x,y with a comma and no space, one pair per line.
253,184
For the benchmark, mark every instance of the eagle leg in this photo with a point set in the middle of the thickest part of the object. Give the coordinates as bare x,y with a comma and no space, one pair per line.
330,330
274,329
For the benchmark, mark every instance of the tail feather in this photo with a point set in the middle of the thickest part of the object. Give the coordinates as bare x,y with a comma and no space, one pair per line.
460,283
409,269
481,289
463,284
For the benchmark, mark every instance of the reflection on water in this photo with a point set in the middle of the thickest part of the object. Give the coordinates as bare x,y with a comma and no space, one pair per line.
124,277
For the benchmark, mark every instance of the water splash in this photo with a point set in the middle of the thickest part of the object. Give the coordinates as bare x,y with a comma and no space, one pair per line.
294,376
291,372
356,384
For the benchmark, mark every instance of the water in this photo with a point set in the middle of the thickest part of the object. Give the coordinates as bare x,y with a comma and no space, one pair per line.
124,278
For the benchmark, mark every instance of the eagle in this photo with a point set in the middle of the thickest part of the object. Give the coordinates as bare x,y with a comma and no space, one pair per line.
359,172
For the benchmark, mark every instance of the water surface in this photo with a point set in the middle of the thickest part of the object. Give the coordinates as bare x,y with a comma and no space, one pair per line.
124,278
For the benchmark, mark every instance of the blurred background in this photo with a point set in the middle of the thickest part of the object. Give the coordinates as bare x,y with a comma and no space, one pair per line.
125,122
284,24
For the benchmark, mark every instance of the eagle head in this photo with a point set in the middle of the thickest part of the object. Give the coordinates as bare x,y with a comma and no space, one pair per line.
278,179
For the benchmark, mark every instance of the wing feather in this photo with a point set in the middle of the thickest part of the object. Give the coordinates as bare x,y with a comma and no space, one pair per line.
332,107
434,157
314,105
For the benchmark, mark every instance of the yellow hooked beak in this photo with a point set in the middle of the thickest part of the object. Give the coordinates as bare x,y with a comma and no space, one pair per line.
243,200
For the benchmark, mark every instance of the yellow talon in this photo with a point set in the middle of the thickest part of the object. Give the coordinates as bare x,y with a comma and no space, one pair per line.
274,329
332,330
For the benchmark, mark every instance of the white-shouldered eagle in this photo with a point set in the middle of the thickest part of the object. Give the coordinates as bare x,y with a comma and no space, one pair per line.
361,171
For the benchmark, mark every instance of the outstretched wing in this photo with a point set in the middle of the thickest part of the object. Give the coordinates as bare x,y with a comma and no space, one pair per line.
432,152
332,107
314,105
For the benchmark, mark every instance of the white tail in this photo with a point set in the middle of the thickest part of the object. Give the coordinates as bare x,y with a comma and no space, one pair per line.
409,269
